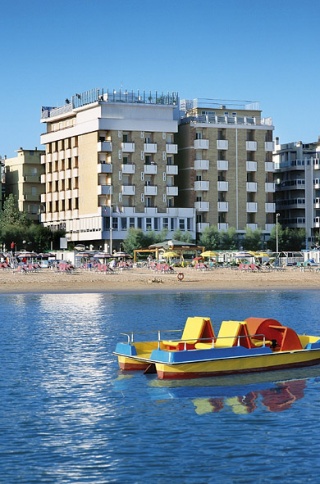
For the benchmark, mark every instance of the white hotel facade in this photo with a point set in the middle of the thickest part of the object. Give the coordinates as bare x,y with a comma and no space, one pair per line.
110,163
120,160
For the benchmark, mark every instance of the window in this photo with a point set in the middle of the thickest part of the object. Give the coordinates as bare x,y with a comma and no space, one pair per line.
139,222
170,160
156,223
165,223
123,223
181,224
131,223
148,223
115,223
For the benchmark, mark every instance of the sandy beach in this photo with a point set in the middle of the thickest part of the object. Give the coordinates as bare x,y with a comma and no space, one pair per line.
139,280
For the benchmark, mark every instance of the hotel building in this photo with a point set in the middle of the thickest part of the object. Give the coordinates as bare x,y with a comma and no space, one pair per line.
225,165
110,165
23,180
297,178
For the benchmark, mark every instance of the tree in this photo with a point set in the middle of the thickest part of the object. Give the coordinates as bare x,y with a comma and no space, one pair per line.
182,236
210,238
11,216
252,240
228,239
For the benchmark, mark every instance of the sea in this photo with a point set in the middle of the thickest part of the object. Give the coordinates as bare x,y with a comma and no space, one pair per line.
68,415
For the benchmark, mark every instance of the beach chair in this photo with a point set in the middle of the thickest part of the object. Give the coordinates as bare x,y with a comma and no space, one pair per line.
196,329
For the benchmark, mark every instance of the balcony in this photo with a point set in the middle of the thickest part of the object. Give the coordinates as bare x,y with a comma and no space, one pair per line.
270,207
251,166
222,144
202,206
44,159
251,145
128,210
222,165
223,206
103,190
61,155
201,144
104,168
151,169
252,207
269,146
104,146
201,226
223,226
222,186
171,169
32,178
150,190
150,147
252,187
128,190
128,169
29,197
128,147
200,186
270,187
75,151
201,164
171,149
252,226
269,167
151,210
172,191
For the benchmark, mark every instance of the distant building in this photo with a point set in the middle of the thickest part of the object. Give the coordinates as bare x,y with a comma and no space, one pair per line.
2,181
110,165
297,178
225,165
23,180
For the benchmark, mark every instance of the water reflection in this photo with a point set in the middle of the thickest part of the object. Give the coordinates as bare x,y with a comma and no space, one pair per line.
272,391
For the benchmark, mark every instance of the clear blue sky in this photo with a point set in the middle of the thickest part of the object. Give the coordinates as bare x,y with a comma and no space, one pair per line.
265,51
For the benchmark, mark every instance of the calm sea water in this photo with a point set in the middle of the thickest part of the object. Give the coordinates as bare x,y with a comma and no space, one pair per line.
67,415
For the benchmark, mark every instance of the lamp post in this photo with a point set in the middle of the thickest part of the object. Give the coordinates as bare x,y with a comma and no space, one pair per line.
277,233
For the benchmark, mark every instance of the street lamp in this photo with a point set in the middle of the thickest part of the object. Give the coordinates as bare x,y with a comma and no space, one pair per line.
277,233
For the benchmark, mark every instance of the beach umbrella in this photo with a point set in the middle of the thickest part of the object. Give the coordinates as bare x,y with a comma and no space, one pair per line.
121,254
102,255
209,253
170,254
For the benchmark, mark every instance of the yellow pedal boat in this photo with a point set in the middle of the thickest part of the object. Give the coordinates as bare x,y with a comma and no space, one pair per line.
252,345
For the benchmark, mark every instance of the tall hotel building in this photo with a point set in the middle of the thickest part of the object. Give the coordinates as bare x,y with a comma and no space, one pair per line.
225,165
297,177
110,165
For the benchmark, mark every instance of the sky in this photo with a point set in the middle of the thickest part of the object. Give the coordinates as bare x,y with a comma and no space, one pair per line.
253,50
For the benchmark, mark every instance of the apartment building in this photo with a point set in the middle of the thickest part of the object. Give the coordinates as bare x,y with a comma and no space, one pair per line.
2,181
297,179
225,165
110,165
23,180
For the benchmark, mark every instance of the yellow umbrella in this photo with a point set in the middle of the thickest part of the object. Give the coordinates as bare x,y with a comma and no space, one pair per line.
209,253
170,254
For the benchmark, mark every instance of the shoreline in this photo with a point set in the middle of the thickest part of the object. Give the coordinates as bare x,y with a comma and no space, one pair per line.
139,280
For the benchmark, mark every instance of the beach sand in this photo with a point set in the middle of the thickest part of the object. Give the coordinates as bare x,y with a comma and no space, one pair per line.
140,280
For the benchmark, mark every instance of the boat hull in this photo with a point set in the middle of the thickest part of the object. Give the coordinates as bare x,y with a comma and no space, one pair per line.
237,365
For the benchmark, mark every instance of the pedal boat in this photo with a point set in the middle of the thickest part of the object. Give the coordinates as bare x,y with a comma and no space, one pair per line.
252,345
